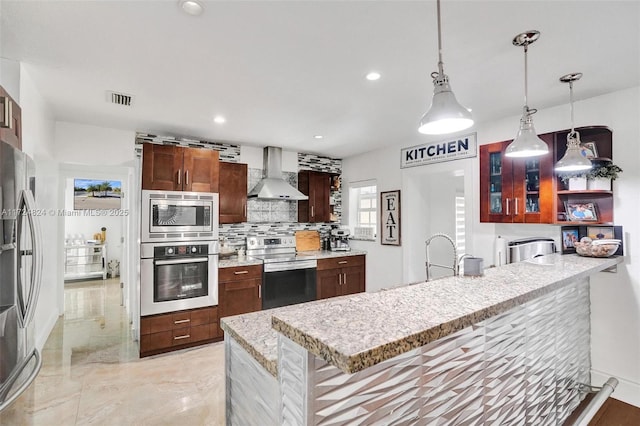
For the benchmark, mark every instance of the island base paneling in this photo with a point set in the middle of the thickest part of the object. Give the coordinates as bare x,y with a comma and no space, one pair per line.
520,367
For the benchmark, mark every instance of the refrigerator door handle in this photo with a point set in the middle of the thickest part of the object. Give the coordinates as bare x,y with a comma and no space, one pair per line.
4,403
26,205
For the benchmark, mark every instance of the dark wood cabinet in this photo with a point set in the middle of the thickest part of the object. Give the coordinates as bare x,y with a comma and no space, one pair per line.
239,290
177,330
175,168
317,186
10,120
516,190
339,276
233,192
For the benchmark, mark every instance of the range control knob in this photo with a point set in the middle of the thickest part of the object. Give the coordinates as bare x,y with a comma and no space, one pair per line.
169,250
194,249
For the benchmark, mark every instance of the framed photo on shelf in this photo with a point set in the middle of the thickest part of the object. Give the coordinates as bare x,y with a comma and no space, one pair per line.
569,236
600,232
581,212
589,149
390,218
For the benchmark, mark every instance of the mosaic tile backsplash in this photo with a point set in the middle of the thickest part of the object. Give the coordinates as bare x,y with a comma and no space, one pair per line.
264,217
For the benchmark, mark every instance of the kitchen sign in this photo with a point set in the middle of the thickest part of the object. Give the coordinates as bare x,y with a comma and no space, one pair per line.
436,152
390,218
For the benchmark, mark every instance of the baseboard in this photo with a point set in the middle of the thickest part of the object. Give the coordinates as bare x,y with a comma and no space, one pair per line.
626,391
43,334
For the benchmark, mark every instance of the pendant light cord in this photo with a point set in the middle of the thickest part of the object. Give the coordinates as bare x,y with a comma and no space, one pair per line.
526,79
573,127
440,64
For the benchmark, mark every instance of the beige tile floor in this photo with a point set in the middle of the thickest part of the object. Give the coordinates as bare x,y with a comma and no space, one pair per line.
91,372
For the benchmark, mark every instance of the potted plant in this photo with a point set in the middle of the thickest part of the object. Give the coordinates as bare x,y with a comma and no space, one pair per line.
601,175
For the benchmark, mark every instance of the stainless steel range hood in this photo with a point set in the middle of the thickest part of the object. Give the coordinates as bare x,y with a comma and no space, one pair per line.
272,186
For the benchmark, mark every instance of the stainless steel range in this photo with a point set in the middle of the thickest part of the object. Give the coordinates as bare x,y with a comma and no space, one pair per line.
288,278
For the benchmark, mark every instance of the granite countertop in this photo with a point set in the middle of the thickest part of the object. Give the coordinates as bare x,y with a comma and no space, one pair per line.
356,332
317,254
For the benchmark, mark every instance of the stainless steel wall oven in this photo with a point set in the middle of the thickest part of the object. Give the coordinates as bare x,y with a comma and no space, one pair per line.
178,275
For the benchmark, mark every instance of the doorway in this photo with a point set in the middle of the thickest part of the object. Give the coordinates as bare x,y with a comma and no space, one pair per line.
437,200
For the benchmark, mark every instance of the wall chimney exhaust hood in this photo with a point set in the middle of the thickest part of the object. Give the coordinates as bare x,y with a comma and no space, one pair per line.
272,186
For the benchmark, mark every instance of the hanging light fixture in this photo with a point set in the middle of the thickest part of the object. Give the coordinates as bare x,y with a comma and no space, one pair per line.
573,160
527,143
445,115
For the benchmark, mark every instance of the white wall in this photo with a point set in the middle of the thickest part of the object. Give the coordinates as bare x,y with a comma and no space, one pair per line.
615,298
92,145
10,77
37,141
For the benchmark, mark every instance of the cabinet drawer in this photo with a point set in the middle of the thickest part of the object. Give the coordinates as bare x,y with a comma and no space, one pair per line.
240,273
180,336
174,320
340,262
204,316
200,332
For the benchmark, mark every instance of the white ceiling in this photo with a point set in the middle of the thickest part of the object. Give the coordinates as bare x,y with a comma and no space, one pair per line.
284,71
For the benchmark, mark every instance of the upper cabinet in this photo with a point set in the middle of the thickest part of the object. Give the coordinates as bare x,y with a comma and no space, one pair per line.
233,192
10,120
527,190
317,186
516,190
175,168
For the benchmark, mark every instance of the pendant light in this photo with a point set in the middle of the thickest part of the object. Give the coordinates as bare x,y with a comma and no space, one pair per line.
445,115
527,143
573,160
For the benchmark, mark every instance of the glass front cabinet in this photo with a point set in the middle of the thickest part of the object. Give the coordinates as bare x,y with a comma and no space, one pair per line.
516,190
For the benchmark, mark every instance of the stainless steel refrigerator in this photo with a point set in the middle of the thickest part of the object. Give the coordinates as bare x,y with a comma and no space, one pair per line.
20,273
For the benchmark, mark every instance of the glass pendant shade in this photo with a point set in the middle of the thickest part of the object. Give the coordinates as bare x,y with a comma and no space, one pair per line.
445,115
527,143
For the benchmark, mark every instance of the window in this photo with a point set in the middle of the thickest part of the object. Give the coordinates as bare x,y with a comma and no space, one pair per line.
363,208
460,225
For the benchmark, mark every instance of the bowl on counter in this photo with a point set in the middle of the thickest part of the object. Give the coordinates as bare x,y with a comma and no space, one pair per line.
597,248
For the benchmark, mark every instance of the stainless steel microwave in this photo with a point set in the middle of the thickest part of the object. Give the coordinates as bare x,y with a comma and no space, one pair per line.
179,216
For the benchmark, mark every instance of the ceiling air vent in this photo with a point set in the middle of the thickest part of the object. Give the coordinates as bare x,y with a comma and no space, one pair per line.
119,98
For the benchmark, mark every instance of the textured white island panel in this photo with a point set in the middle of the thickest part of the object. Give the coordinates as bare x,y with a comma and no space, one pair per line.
519,367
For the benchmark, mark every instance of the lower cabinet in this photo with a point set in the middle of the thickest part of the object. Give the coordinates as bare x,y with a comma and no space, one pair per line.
178,330
339,276
239,290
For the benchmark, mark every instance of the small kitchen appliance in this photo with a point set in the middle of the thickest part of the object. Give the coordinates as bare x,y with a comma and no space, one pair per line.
529,248
339,240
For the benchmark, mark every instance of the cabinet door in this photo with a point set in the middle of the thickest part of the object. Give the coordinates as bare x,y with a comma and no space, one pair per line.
496,185
161,167
239,297
11,131
319,186
353,279
201,170
328,283
533,187
233,192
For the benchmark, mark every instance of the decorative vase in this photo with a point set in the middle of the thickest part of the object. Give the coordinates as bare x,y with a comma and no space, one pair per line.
599,184
578,184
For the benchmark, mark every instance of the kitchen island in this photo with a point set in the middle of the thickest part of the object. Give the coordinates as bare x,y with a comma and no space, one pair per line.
508,347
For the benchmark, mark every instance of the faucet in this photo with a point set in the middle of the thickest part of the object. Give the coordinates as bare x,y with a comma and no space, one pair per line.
455,268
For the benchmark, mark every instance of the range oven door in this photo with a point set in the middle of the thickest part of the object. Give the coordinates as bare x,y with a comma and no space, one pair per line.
286,283
174,284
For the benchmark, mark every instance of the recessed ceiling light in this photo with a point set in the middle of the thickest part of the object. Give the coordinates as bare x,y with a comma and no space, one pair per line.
192,7
373,76
219,119
318,136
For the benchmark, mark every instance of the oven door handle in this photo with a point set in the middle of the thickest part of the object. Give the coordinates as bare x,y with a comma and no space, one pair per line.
181,261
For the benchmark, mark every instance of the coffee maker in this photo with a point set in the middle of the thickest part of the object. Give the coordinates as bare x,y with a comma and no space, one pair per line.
339,240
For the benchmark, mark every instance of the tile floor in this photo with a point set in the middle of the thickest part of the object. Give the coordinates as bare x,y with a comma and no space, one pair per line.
91,372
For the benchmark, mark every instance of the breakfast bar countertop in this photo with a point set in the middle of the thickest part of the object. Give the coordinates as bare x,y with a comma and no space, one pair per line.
234,261
358,331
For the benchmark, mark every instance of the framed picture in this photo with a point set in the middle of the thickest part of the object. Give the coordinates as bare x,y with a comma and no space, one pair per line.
600,232
570,235
581,212
390,218
589,149
93,194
